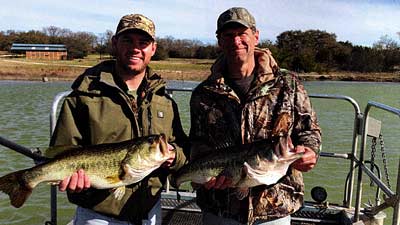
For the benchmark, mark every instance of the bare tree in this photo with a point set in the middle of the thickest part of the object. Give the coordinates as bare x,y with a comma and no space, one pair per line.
104,43
386,43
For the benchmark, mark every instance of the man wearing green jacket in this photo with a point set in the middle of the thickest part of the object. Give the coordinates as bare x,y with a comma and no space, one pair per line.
114,101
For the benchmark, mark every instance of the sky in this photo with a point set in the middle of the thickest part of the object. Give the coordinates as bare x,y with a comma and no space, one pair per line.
361,22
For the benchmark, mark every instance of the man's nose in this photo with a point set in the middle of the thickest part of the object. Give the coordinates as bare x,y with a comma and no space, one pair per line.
237,40
131,49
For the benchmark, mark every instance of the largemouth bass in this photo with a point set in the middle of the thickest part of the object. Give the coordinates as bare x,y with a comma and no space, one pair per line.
248,166
112,166
262,162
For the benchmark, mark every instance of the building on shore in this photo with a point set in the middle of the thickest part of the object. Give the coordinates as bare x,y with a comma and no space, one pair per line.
41,51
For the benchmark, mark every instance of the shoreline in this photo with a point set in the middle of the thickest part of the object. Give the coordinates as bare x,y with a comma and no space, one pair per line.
199,76
173,69
352,76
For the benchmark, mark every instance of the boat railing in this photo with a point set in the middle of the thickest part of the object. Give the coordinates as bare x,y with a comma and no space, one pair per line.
357,121
392,198
53,120
361,127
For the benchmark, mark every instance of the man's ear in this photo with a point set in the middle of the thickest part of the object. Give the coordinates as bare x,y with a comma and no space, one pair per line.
219,42
257,36
154,48
114,45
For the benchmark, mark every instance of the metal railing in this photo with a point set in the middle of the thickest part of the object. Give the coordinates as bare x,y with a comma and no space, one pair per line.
393,198
53,120
356,131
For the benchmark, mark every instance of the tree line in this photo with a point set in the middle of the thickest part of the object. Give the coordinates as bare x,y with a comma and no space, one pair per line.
301,51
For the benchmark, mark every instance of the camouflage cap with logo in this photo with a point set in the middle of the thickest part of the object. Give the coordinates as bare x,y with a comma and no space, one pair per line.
235,15
138,22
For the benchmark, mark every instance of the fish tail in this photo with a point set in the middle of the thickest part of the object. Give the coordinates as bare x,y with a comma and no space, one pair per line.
17,189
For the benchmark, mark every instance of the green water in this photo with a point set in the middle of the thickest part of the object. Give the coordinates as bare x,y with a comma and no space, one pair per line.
24,116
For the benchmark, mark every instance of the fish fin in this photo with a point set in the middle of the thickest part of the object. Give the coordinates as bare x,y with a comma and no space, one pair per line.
54,151
13,185
119,192
113,179
241,193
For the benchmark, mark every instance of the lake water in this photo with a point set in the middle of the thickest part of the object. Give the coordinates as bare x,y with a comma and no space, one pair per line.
24,116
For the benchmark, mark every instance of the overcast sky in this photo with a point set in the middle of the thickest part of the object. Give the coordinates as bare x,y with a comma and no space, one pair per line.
357,21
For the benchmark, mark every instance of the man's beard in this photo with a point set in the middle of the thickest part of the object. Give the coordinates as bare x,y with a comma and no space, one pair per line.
128,70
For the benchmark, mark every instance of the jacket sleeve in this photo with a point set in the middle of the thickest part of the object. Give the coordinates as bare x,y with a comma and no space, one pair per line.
306,130
67,132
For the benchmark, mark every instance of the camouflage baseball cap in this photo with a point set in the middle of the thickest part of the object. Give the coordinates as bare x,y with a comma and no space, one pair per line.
235,15
138,22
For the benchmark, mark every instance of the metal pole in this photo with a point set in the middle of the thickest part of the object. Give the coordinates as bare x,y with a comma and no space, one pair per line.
21,149
396,210
360,172
53,188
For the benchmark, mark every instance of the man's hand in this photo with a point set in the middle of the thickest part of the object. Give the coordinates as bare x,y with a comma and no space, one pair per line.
171,159
307,161
75,183
220,182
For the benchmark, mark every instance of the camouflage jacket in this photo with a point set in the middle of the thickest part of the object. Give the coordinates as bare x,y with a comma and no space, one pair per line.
220,119
99,110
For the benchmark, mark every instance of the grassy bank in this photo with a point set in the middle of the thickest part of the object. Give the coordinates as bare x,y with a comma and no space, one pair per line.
172,69
25,69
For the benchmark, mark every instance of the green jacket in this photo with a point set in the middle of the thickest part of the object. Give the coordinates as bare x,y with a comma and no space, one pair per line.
219,118
99,110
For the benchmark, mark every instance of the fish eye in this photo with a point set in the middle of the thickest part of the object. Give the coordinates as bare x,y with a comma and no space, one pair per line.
151,138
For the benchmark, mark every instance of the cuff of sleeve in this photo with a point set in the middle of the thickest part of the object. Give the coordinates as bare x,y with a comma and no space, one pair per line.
180,159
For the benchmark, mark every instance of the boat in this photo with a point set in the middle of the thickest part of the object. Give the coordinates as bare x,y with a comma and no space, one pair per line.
183,210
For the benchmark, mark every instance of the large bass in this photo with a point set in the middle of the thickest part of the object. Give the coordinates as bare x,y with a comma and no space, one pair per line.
263,162
112,166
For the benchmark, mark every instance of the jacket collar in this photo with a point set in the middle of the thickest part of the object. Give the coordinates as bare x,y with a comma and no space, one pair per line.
265,68
150,84
105,74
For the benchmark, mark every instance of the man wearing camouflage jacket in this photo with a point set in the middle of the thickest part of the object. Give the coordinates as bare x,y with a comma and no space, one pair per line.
239,103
